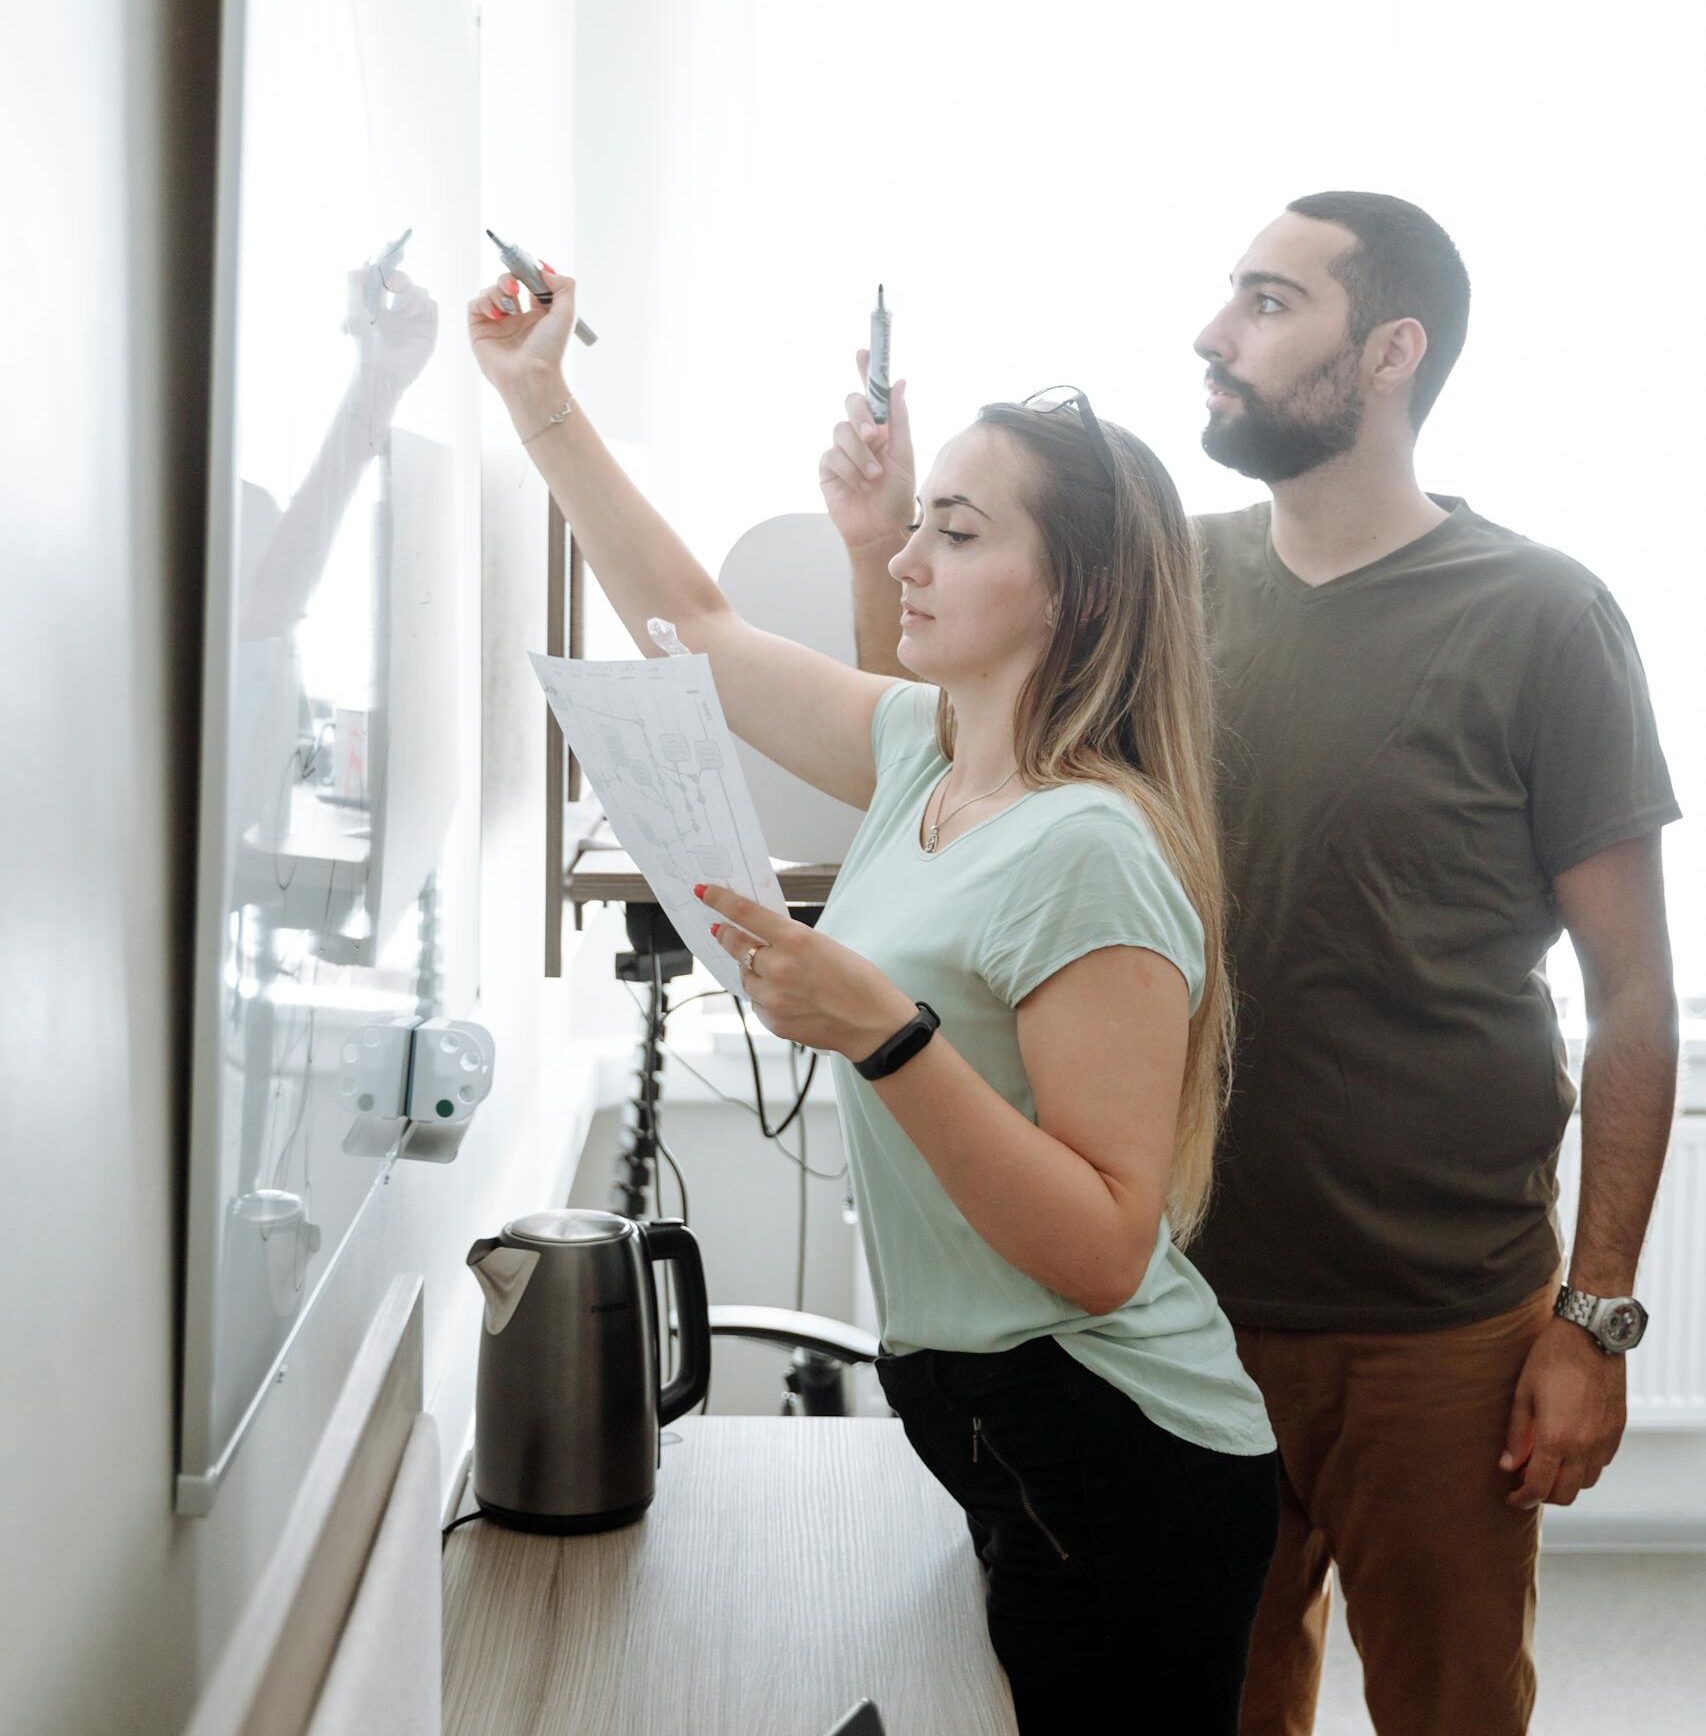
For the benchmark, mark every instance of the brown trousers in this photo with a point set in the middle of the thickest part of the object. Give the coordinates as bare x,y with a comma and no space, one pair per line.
1389,1447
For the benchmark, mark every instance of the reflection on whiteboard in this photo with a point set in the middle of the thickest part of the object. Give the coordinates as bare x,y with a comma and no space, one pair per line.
651,737
338,865
343,785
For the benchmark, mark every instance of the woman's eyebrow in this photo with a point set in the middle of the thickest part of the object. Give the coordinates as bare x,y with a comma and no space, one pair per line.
959,500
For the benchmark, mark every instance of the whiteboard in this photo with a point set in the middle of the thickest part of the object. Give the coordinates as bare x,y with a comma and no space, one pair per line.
338,839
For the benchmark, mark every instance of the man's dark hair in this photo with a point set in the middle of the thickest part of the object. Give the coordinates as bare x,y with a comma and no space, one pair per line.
1403,266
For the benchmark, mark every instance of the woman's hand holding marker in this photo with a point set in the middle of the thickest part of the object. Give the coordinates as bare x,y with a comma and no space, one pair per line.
803,985
516,345
867,476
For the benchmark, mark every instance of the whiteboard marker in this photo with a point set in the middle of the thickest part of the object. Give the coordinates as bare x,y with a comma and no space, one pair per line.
374,282
520,263
877,365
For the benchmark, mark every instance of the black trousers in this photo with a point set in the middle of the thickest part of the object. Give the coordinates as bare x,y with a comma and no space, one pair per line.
1124,1564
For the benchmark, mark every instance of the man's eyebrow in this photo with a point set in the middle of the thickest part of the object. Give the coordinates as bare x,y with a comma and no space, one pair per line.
1255,280
958,500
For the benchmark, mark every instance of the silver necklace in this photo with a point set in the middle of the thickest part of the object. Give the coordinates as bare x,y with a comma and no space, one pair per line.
931,836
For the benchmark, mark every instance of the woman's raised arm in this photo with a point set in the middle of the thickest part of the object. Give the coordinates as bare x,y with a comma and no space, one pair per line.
808,712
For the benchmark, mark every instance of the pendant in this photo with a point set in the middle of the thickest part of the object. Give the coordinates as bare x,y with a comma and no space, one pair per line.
930,840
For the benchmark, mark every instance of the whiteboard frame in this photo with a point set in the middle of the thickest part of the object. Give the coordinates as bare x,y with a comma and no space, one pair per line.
200,1465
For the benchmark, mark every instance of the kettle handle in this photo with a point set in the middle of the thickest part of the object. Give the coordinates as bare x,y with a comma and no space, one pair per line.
669,1240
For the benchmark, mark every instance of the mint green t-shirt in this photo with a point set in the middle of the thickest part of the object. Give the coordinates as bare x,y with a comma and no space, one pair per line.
973,929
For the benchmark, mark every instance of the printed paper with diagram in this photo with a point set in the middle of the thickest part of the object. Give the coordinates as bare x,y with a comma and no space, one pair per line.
652,740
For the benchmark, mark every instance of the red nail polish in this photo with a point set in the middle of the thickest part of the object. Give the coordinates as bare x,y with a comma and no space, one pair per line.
716,929
699,891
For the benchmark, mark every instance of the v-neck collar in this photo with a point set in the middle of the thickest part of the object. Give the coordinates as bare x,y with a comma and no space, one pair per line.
1416,550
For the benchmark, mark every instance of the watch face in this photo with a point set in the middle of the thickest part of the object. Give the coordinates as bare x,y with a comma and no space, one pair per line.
1623,1326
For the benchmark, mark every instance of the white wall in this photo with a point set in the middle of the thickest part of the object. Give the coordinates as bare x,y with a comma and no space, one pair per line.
112,1609
99,1597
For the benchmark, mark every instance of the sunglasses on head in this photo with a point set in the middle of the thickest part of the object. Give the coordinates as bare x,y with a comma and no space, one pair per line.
1070,398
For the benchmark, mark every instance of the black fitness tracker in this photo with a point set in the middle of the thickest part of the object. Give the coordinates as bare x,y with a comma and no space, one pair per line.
902,1046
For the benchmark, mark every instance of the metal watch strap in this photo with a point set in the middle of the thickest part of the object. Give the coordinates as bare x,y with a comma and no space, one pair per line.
1576,1306
891,1056
1615,1323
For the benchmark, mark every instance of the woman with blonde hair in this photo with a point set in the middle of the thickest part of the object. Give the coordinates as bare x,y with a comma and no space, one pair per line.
1019,976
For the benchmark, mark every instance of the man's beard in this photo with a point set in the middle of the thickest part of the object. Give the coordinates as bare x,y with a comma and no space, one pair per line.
1318,418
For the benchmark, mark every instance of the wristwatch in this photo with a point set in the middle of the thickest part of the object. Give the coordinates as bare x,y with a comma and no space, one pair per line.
1614,1323
902,1046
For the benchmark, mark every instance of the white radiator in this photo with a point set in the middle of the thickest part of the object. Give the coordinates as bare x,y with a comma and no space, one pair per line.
1667,1373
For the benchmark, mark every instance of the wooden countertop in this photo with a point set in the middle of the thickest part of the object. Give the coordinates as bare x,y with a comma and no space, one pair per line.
789,1567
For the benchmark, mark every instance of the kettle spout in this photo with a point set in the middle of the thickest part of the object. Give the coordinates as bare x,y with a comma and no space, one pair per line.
502,1273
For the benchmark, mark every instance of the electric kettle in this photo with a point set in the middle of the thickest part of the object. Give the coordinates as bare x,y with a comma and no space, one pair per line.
567,1405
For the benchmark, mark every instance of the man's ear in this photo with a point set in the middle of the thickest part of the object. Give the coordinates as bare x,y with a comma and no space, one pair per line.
1396,350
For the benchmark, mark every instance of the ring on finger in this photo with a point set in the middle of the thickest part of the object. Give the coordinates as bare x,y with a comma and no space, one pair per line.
751,954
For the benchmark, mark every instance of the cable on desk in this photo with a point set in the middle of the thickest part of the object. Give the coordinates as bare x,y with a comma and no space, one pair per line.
660,1004
675,1169
723,1096
654,1020
758,1083
800,1257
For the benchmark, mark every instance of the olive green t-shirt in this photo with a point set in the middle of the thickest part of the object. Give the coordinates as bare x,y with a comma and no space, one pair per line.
972,930
1409,756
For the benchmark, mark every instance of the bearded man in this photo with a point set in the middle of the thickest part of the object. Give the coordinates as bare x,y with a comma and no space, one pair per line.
1436,754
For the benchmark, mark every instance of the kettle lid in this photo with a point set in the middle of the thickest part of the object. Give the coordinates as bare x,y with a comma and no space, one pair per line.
553,1229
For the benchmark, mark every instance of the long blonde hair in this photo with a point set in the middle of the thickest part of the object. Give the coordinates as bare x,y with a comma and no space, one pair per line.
1121,697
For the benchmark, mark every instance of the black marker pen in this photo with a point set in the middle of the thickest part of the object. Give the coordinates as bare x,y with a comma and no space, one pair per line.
520,263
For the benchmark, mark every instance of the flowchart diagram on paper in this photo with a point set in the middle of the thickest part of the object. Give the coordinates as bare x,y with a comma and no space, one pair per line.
652,740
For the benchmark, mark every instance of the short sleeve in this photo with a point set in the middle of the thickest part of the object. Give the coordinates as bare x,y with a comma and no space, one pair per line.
1096,878
903,723
1596,772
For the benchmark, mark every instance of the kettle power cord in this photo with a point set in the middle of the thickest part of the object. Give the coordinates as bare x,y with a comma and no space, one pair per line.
754,1109
813,1380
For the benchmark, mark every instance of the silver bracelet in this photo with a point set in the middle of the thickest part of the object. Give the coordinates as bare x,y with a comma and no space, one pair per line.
561,416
